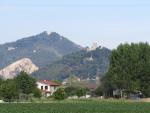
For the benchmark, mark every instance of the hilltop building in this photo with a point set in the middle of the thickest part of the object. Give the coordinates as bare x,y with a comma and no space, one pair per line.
93,47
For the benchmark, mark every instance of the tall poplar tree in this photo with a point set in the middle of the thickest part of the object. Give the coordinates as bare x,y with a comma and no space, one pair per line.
129,68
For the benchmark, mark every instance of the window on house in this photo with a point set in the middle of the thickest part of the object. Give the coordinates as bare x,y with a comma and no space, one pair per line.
42,87
46,87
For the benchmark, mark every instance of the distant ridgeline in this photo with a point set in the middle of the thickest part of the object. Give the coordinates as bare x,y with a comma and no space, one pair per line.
41,49
54,56
85,64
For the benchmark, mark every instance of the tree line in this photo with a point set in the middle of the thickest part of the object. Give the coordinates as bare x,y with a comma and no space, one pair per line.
129,70
21,87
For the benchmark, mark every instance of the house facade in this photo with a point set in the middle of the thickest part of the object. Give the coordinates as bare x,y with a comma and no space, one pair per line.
47,87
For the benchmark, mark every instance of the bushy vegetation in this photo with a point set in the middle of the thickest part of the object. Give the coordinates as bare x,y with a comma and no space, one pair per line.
25,83
70,91
75,91
21,87
98,91
77,107
129,69
59,94
8,90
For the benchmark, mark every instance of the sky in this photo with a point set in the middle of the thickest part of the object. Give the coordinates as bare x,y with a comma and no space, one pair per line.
107,22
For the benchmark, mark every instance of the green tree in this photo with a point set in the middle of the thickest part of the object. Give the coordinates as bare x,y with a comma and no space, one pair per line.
25,83
36,93
129,68
9,91
81,92
98,91
71,91
59,94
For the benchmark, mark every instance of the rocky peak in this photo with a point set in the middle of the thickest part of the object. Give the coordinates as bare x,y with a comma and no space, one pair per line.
15,68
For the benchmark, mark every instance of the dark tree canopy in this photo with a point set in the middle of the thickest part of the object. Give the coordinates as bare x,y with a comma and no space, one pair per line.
76,91
8,90
59,94
25,83
129,68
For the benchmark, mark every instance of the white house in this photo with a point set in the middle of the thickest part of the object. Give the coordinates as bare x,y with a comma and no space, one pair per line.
47,87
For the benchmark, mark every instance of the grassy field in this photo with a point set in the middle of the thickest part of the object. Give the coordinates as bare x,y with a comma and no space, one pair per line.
76,107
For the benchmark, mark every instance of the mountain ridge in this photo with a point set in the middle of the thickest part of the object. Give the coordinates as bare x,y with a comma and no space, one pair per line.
42,49
84,64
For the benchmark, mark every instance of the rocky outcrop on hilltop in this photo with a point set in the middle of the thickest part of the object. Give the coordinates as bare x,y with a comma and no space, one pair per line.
15,68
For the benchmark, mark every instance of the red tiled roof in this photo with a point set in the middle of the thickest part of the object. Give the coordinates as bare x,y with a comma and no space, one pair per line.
49,83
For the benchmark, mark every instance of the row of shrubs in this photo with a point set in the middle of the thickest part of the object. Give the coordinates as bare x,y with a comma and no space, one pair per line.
63,93
23,87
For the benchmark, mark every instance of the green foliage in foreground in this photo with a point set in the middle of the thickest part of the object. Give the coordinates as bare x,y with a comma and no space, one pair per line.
21,87
76,107
129,69
76,91
8,90
25,83
59,94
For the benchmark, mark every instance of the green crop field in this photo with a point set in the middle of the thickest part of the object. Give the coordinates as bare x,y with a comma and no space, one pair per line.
76,107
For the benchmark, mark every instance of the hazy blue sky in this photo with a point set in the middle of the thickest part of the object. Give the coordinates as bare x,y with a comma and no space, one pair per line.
108,22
